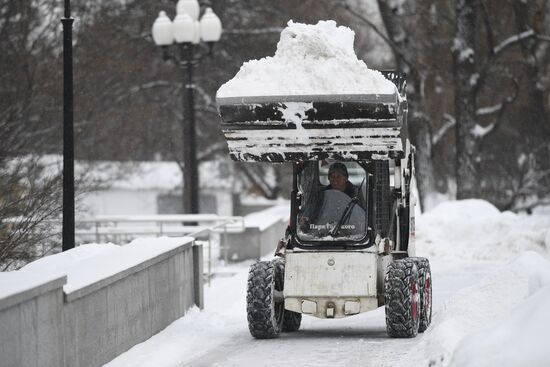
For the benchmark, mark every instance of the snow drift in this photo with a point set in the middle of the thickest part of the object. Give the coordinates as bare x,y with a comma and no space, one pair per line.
476,230
520,339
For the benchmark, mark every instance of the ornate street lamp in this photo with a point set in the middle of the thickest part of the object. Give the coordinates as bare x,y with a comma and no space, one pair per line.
186,32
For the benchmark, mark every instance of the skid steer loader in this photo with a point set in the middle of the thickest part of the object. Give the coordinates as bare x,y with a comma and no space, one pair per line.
345,251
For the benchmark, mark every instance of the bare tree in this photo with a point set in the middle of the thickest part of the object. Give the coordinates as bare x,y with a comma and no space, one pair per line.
477,93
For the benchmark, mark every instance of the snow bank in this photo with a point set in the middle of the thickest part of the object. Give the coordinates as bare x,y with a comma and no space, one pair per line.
521,339
475,229
455,337
310,60
87,264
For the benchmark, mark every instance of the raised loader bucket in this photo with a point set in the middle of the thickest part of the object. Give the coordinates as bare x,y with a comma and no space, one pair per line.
310,127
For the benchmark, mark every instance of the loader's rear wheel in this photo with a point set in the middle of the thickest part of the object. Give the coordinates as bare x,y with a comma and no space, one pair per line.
425,280
291,319
402,296
264,309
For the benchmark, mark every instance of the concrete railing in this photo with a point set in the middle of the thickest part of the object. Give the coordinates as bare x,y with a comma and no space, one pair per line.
92,319
263,230
31,322
124,228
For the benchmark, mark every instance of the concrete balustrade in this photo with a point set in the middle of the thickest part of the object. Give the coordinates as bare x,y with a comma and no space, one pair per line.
31,324
91,321
262,232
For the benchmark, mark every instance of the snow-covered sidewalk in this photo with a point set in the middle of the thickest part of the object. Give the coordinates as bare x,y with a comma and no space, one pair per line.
491,296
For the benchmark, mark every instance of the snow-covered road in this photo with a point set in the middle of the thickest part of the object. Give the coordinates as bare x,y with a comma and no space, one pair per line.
472,294
359,340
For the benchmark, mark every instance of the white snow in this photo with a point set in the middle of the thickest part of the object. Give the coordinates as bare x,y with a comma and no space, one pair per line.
87,264
491,296
310,60
14,282
521,337
267,217
491,278
143,175
480,131
476,230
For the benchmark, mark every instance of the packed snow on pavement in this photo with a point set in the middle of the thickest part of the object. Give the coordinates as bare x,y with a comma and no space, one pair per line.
491,275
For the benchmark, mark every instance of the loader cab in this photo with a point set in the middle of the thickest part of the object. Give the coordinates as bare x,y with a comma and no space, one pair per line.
327,215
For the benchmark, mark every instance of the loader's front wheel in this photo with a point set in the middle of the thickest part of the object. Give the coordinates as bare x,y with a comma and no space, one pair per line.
402,296
264,304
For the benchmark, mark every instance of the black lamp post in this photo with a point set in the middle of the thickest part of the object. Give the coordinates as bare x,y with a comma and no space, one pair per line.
187,32
68,143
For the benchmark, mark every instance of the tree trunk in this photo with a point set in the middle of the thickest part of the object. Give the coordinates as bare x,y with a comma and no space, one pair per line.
465,99
419,125
422,139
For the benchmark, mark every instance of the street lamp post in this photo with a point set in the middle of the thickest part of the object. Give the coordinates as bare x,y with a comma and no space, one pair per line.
186,32
68,240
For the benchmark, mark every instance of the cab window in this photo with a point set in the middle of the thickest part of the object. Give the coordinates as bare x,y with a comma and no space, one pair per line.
332,205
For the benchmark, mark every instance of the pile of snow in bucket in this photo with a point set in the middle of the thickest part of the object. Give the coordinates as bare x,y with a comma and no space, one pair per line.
475,229
310,60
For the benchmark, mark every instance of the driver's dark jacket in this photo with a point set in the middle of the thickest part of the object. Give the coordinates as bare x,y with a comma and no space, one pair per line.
351,191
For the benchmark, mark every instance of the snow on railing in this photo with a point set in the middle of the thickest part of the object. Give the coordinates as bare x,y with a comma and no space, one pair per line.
193,225
120,229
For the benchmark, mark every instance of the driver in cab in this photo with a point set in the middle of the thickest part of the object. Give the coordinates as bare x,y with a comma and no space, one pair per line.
338,178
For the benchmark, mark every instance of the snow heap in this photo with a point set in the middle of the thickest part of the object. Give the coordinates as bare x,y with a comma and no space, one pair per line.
476,230
310,60
502,320
519,339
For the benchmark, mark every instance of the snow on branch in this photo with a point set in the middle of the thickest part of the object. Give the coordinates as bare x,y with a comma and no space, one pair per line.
211,150
267,30
204,95
449,122
489,110
138,88
513,39
480,131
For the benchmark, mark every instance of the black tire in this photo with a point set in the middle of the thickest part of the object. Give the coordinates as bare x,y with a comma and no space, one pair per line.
425,284
264,314
291,319
402,299
382,197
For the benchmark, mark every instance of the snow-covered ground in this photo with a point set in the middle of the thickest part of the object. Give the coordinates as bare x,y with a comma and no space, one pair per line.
491,283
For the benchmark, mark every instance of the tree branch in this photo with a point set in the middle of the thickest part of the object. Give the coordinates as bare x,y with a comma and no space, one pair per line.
512,40
395,48
449,122
248,31
482,132
488,28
